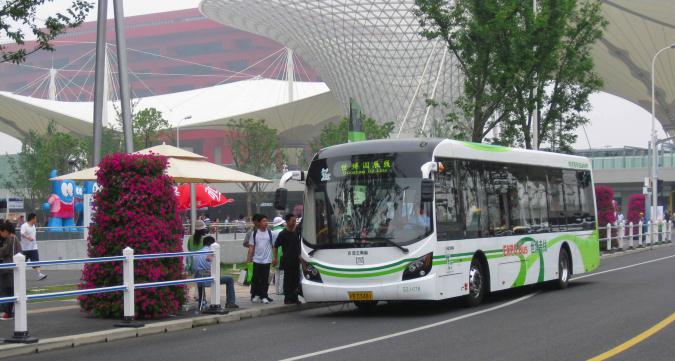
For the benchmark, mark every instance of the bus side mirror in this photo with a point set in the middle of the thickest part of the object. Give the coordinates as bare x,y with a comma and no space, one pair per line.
427,190
280,199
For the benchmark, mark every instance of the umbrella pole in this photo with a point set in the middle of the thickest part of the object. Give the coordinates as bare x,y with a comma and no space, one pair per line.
193,206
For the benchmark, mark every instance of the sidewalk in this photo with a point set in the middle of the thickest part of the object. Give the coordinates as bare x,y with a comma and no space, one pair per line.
51,319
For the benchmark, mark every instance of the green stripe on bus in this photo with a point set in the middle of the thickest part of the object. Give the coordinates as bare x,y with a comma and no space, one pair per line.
318,265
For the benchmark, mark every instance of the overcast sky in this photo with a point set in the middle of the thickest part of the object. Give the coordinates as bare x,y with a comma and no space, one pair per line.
614,121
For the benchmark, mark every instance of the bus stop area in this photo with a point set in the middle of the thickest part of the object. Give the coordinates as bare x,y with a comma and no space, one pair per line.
61,323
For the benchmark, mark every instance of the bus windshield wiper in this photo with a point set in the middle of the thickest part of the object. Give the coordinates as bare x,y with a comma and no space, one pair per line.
386,239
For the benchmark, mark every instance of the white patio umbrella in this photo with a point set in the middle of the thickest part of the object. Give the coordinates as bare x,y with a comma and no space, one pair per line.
183,167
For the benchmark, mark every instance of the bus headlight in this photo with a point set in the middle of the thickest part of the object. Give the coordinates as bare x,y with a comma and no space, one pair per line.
419,267
310,272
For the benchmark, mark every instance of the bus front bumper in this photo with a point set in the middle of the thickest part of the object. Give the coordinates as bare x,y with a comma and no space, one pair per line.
423,288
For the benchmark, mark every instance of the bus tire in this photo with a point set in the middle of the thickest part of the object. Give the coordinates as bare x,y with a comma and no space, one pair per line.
477,283
366,306
564,268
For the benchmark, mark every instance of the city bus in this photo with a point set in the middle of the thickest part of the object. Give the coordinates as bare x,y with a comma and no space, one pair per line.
431,219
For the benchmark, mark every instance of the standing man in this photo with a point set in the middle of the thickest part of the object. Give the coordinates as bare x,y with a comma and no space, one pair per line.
260,253
29,243
289,241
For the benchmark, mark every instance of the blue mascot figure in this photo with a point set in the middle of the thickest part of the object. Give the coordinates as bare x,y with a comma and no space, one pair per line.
61,205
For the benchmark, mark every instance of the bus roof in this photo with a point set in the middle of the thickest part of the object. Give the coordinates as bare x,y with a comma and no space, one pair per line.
495,153
447,148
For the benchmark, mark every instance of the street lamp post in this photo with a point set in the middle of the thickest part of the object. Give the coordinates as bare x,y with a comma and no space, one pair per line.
654,141
178,130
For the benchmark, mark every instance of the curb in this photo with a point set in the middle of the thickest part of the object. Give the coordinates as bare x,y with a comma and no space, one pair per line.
64,342
617,253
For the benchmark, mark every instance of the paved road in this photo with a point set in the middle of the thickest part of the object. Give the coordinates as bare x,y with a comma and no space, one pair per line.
594,315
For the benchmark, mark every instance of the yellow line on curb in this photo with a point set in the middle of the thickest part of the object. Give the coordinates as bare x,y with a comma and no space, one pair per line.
635,340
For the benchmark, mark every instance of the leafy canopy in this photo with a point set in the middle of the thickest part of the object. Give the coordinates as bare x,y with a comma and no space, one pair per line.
15,15
513,60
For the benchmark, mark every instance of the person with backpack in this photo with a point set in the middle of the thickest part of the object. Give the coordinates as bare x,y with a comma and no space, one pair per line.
260,252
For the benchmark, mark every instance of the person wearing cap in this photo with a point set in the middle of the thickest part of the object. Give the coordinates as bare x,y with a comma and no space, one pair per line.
278,225
194,244
202,268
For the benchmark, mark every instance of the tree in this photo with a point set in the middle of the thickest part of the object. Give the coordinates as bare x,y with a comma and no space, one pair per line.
513,61
147,126
333,133
23,13
40,153
255,149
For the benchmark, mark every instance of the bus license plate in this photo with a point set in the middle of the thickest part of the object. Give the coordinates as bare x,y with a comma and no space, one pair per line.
361,296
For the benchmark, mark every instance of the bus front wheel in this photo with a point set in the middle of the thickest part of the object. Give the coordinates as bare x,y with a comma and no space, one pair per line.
477,283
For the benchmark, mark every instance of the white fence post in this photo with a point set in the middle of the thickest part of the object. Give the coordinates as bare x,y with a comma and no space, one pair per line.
620,235
650,232
640,235
128,279
215,307
20,305
609,236
630,235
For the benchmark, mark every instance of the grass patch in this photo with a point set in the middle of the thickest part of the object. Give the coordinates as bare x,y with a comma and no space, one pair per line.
232,268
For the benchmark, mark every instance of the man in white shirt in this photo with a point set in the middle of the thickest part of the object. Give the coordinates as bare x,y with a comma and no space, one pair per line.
29,244
260,252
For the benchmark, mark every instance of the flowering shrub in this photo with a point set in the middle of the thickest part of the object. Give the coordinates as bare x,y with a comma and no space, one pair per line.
603,198
136,207
636,207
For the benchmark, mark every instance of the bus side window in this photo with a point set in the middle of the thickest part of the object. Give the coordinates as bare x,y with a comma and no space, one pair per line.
586,197
495,177
556,204
448,226
474,200
572,201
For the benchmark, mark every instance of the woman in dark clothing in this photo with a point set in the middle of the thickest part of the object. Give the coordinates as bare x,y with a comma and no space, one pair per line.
10,245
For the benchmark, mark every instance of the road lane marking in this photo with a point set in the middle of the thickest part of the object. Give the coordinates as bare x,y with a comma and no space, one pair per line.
412,330
635,340
624,267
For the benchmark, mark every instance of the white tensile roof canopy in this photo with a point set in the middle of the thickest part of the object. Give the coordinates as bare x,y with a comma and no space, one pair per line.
348,30
210,108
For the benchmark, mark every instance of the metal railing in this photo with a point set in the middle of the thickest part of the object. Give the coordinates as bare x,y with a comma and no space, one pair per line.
216,229
631,236
21,298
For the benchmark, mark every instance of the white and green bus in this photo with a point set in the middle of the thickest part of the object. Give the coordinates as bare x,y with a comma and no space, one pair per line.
434,219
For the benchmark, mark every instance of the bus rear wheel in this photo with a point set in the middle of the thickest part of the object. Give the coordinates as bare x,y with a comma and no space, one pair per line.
564,271
477,283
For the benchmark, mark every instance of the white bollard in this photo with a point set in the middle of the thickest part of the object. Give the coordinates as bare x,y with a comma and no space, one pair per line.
215,307
609,236
128,279
640,235
21,304
630,235
650,232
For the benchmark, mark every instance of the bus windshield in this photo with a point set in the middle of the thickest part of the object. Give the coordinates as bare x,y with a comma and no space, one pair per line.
365,201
